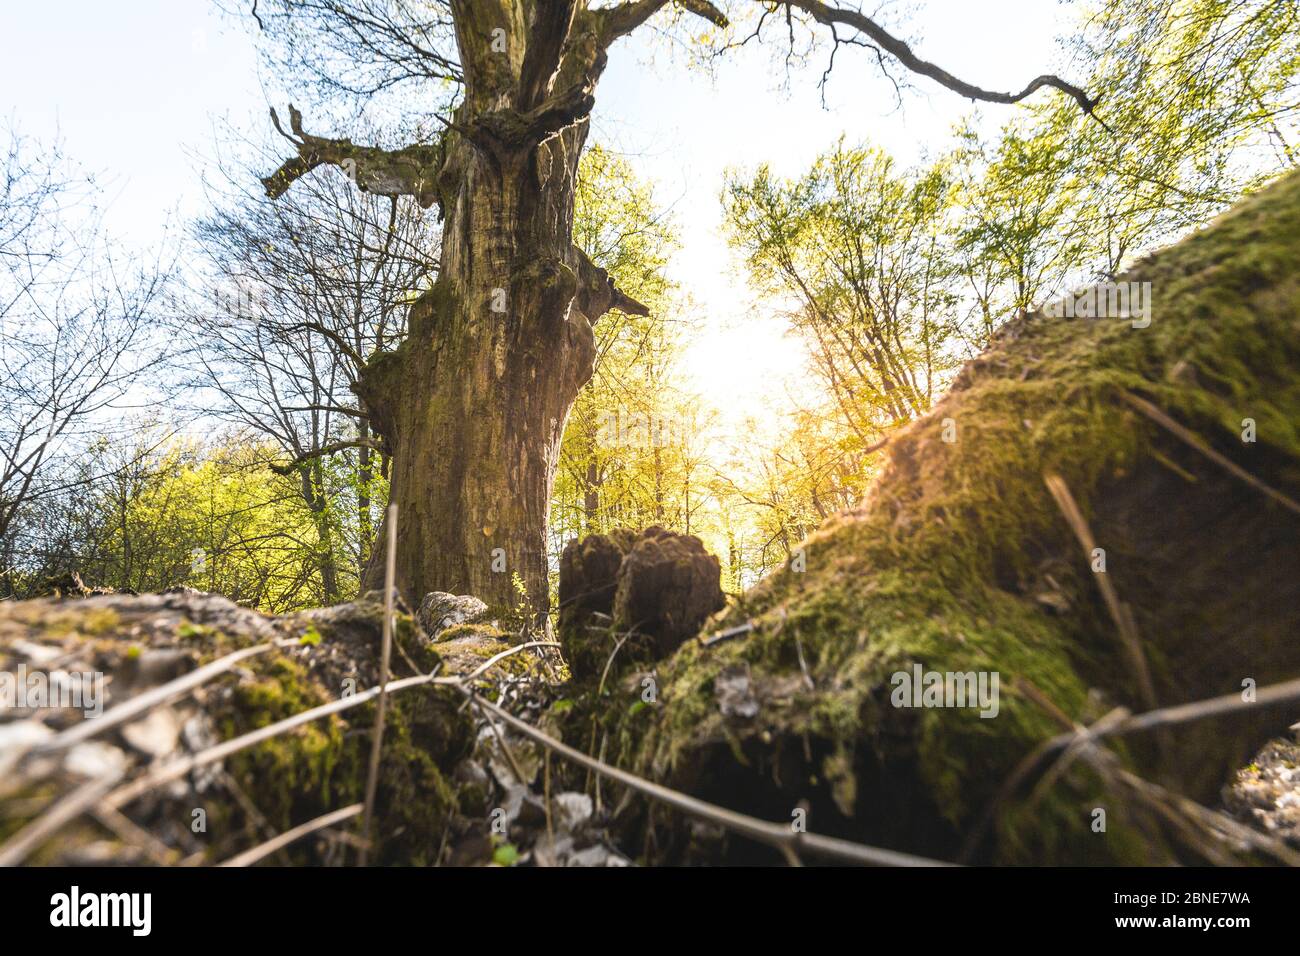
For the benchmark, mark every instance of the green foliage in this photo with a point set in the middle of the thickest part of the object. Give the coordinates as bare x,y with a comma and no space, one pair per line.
893,276
507,854
858,245
1198,105
215,519
633,449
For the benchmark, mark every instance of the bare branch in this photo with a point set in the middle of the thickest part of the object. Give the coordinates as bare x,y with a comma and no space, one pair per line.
410,171
321,452
623,19
597,293
832,15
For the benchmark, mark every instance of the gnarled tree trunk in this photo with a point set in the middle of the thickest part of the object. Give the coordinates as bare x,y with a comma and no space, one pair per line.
473,405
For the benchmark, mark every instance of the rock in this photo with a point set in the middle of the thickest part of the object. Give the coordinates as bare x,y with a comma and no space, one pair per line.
38,654
735,697
106,853
95,759
598,855
523,807
469,645
440,611
524,753
16,739
156,734
1054,601
1266,794
572,809
548,852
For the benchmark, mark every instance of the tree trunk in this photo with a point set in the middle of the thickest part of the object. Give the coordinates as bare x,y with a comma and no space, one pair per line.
591,494
365,478
314,493
473,404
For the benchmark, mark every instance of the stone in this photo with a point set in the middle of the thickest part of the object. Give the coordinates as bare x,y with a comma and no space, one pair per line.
598,855
156,734
572,809
523,807
16,739
735,695
38,654
440,611
95,759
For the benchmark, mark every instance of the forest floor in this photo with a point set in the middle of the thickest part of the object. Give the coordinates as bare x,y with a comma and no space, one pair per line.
513,802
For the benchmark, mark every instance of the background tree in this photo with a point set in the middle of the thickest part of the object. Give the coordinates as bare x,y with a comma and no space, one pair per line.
1200,106
631,454
1203,106
857,246
76,321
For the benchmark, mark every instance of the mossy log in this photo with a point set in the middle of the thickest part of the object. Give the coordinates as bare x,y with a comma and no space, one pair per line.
962,561
138,642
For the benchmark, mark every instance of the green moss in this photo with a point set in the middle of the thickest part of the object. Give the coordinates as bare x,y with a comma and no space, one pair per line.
78,619
188,630
295,771
460,632
322,765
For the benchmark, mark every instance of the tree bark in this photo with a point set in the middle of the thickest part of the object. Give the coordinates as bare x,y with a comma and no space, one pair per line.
312,479
365,477
473,405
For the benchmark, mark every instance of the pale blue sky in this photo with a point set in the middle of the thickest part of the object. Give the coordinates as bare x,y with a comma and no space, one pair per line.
137,88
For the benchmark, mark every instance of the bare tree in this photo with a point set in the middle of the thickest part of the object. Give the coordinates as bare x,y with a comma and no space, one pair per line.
75,330
301,294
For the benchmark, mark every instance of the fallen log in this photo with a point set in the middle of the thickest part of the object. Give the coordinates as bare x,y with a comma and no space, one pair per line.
1039,534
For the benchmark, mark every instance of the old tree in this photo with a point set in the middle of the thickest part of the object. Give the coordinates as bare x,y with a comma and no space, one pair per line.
472,405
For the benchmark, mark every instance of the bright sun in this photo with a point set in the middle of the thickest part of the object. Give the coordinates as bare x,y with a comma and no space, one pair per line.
748,372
